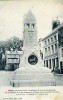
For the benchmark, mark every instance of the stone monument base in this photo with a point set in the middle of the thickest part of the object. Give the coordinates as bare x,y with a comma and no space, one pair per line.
31,77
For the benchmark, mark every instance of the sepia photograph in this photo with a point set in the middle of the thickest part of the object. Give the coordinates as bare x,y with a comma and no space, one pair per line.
31,43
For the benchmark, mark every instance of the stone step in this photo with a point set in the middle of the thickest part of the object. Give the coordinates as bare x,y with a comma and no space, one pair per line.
27,83
32,76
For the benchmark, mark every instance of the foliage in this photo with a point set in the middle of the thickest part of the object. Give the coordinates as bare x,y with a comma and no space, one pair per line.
2,64
13,42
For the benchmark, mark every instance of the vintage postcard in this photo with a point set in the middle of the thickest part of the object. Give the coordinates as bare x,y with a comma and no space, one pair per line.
31,49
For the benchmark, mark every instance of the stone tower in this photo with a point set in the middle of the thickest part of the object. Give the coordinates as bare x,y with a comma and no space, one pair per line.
31,52
30,31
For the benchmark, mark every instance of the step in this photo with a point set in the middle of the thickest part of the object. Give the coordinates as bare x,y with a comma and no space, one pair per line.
32,76
27,83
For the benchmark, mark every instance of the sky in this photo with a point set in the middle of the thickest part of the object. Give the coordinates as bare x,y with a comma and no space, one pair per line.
12,15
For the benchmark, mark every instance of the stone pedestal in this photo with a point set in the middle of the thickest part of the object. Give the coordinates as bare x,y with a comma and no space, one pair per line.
32,71
34,76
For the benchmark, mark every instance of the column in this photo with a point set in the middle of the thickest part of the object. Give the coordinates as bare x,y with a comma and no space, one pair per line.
59,65
51,49
52,65
45,63
48,64
55,62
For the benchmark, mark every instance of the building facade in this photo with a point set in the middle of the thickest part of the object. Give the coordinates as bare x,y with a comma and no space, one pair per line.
12,59
53,48
41,48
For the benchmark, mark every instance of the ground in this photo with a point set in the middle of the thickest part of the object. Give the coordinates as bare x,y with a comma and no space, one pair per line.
6,76
59,79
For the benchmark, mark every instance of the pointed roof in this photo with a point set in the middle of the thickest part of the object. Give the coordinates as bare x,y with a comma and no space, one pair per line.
30,18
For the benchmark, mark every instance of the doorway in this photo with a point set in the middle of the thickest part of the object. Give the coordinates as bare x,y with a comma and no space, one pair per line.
12,67
61,67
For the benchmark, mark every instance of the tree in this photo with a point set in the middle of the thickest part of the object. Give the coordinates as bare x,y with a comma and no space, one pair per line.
13,42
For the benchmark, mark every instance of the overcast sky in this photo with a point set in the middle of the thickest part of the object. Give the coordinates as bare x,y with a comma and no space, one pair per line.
12,14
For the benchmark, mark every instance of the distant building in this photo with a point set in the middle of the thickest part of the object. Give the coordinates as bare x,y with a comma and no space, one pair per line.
2,60
41,48
12,59
53,47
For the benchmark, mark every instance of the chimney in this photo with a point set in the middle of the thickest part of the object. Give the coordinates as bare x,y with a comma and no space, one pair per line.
55,23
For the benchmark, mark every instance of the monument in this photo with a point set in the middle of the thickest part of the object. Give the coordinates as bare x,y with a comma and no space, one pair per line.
31,71
31,53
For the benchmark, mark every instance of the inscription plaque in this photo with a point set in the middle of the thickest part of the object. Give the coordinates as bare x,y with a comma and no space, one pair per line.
32,59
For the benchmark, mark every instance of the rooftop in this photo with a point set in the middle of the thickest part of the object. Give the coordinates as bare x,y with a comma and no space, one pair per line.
53,31
29,18
14,52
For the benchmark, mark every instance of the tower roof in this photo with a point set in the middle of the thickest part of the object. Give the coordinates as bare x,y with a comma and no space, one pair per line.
29,18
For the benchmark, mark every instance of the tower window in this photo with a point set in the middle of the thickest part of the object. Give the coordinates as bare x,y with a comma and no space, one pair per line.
33,25
28,25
